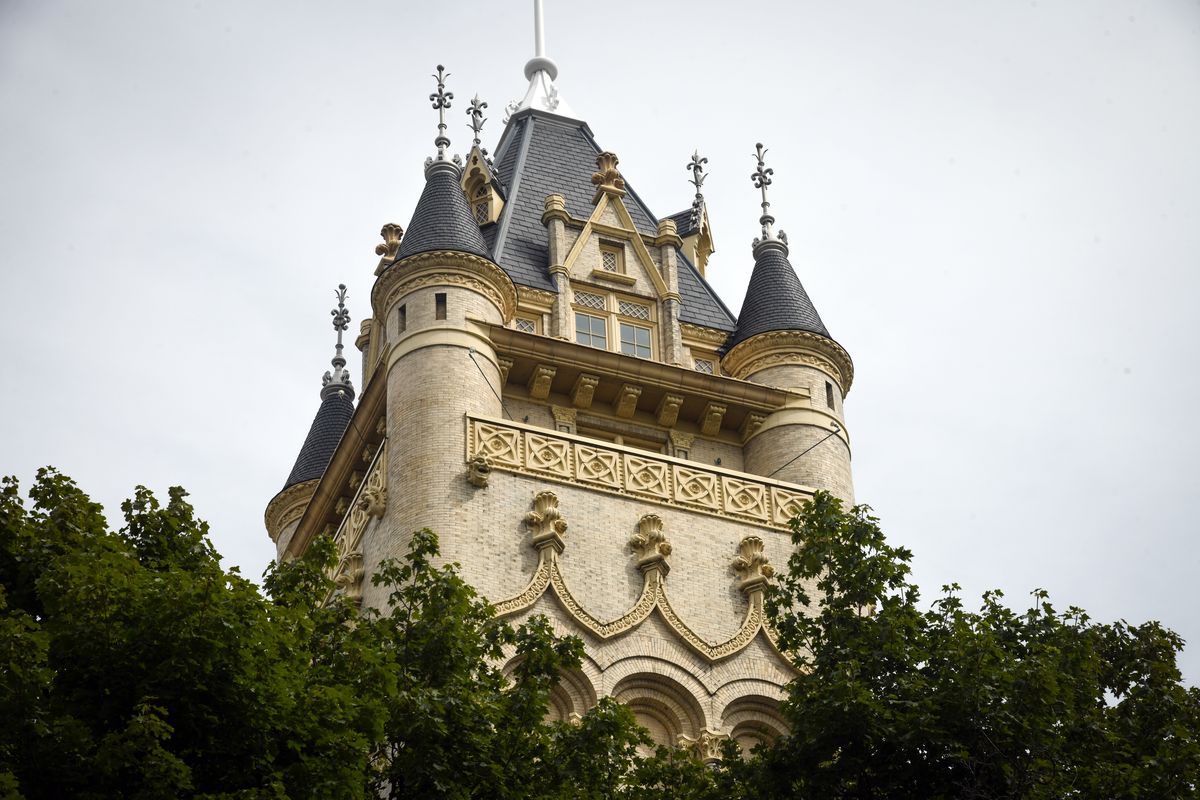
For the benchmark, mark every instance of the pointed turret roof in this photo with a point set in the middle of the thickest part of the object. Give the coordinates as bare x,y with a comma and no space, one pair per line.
442,219
775,299
337,407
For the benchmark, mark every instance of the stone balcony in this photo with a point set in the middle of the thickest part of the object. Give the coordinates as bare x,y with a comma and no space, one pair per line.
616,469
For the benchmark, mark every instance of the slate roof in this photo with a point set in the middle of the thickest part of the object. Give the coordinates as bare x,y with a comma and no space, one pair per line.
683,222
331,422
775,299
442,219
541,154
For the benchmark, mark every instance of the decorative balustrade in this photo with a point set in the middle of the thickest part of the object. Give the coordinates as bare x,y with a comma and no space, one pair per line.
606,467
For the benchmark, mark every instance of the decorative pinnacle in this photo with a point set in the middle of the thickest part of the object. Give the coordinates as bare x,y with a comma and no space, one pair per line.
338,380
441,101
762,179
696,165
475,112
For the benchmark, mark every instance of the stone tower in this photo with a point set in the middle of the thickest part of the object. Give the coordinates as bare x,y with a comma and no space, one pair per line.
552,386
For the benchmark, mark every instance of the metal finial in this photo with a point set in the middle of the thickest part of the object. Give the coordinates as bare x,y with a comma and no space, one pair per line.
441,101
338,380
762,179
696,165
475,112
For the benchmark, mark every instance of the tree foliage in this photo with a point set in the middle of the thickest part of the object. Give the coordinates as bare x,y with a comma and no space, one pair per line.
898,702
134,665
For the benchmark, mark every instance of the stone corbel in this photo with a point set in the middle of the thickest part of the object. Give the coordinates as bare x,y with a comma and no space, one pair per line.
540,380
546,523
751,424
625,403
373,501
585,387
651,545
668,409
710,419
752,566
505,366
681,444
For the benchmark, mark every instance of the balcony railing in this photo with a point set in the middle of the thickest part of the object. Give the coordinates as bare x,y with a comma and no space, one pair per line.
613,468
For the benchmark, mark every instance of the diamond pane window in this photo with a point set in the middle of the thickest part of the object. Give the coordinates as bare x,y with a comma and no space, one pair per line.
591,331
634,310
526,325
608,260
635,340
704,365
481,213
589,300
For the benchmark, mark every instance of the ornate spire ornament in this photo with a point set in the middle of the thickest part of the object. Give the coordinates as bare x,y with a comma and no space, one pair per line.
541,73
696,165
762,179
441,101
337,380
475,112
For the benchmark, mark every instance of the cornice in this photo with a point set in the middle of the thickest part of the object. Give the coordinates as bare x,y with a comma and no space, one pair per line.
449,267
774,348
711,336
288,506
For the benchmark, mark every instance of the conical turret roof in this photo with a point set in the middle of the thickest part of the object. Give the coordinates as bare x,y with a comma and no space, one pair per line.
337,407
775,299
442,219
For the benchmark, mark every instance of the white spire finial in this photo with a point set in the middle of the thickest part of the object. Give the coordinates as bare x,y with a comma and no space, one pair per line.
541,72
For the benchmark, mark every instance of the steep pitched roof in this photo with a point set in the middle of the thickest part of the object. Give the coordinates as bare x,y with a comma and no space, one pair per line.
442,219
683,222
542,154
775,299
328,426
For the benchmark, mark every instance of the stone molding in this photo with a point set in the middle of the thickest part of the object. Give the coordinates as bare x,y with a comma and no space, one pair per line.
369,502
288,506
775,348
616,469
547,525
444,268
710,336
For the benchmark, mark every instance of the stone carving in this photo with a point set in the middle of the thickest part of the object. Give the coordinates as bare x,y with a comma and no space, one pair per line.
348,578
564,418
711,417
392,234
540,381
625,403
547,527
651,545
752,566
505,365
668,409
546,523
751,424
585,387
479,470
611,468
373,501
706,747
608,177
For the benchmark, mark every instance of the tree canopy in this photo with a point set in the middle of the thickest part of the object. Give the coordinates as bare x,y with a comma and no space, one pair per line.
135,665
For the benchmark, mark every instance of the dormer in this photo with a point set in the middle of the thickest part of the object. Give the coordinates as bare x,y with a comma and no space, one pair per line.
481,188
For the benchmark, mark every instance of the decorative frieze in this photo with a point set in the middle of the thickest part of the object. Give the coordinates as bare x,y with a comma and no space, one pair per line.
612,468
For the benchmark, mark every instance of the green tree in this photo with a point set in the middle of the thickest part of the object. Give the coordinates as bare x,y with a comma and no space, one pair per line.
898,702
134,665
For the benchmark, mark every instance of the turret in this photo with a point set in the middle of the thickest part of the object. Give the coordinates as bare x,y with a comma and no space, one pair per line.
435,302
337,407
781,341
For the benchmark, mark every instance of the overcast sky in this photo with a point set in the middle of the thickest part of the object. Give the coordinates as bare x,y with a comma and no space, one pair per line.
994,205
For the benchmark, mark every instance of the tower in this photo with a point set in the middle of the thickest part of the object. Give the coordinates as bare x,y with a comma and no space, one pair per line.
551,385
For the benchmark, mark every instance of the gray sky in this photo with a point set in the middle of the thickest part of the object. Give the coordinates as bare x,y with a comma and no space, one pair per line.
994,205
